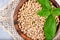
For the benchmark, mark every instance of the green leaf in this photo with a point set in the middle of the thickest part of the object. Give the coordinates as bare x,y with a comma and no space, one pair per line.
43,12
50,27
45,4
56,12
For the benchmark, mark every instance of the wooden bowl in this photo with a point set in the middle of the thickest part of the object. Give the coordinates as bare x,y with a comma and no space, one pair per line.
16,22
16,17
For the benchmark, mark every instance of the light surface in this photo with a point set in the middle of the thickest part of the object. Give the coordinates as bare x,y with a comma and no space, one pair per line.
4,35
3,3
58,1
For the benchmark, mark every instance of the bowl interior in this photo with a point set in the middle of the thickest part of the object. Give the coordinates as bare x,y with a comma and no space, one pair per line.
16,17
